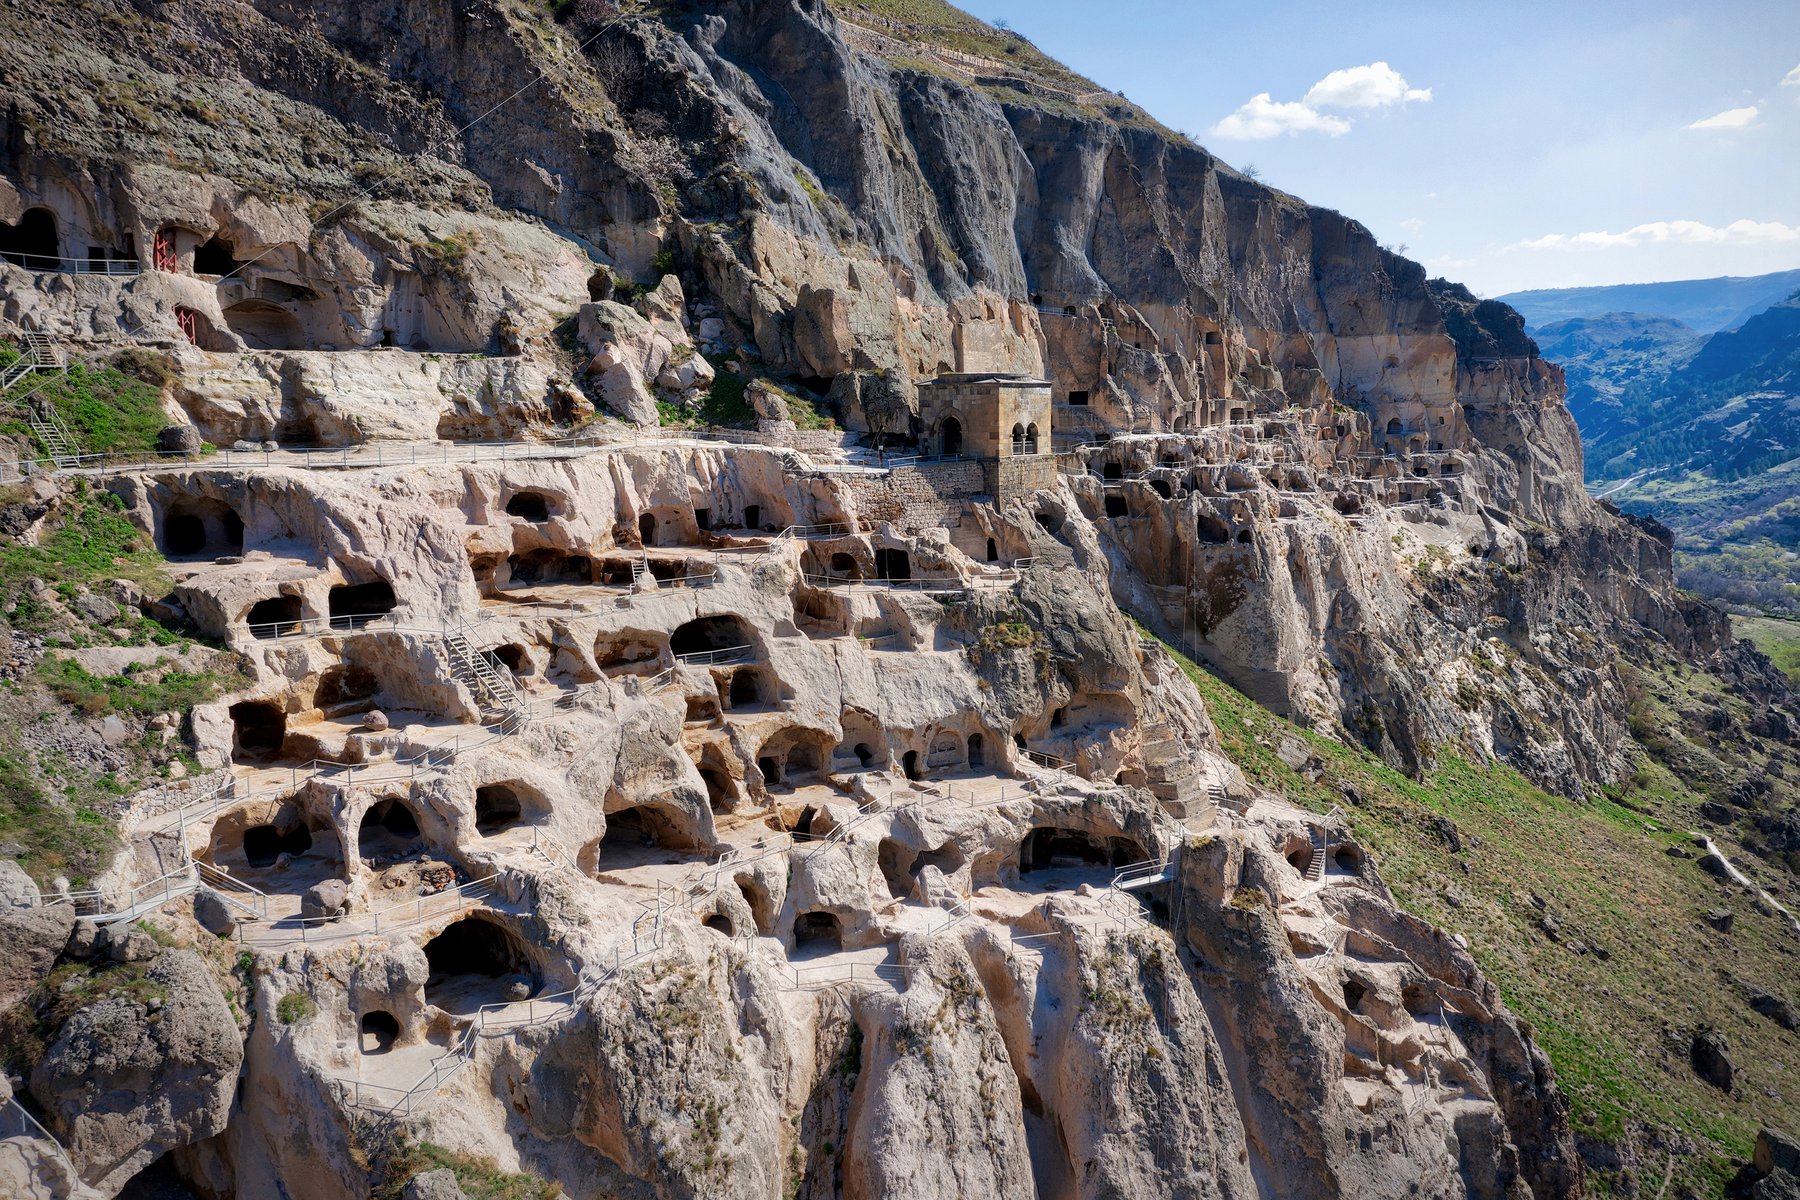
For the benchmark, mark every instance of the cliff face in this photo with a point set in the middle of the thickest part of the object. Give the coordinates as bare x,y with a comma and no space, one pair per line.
796,797
859,219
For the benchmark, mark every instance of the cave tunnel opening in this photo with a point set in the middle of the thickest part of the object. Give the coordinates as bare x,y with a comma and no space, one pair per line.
529,506
465,959
274,616
387,829
817,933
893,564
1051,848
264,844
353,605
259,730
32,243
379,1031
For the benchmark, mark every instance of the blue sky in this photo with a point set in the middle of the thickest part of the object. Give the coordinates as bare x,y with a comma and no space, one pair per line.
1561,144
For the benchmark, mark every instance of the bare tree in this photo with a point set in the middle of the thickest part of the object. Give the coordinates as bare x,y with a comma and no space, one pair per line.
1250,171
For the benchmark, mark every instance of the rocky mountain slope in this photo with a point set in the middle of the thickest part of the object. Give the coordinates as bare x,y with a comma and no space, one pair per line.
544,790
1711,448
1603,358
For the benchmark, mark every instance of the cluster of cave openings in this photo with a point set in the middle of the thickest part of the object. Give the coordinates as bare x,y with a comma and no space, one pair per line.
274,616
201,529
710,636
503,806
353,605
900,864
388,829
789,764
1049,848
258,731
378,1032
817,933
467,956
32,243
892,564
529,506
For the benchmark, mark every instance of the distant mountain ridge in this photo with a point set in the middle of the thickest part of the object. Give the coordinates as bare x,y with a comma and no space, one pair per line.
1705,305
1710,446
1607,355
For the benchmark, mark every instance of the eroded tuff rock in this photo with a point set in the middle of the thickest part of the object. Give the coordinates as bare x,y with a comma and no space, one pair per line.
127,1079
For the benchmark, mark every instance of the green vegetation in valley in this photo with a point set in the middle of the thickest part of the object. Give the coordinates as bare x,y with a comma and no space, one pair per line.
1777,638
1634,968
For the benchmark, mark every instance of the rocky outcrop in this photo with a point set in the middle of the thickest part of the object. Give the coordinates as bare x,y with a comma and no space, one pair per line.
129,1078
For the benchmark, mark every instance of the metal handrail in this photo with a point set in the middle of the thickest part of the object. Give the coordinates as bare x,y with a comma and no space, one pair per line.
707,658
74,266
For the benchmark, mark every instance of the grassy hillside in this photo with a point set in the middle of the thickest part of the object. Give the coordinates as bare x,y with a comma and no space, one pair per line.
1777,638
1634,967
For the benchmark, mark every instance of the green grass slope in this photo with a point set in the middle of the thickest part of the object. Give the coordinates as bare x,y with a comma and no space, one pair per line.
1633,966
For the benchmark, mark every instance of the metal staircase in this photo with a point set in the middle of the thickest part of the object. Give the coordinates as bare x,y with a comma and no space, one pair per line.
477,671
39,356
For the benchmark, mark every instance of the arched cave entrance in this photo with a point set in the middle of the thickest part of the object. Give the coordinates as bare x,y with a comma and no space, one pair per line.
647,529
529,506
274,616
909,763
1211,530
817,933
259,729
1116,506
746,689
469,960
379,1031
1050,848
214,256
892,564
721,793
265,326
201,528
762,904
977,752
501,806
388,829
721,923
952,437
265,844
643,835
844,566
353,605
32,243
993,551
709,634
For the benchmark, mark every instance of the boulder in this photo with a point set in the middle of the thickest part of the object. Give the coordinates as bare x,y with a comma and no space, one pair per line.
121,1084
84,939
214,915
97,608
932,887
1713,865
1721,919
17,889
375,721
127,944
1711,1058
1773,1007
178,439
434,1185
324,900
516,987
33,937
1777,1151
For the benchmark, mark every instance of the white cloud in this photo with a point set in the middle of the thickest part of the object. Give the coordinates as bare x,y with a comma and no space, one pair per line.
1792,78
1353,89
1412,224
1670,233
1731,118
1376,85
1261,118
